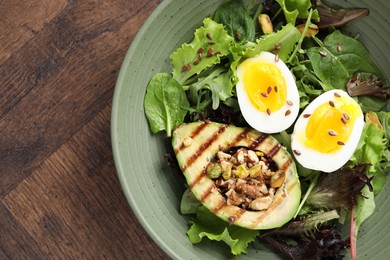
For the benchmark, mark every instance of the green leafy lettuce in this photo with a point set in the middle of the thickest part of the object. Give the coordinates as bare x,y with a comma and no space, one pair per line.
236,19
165,103
294,9
210,43
208,225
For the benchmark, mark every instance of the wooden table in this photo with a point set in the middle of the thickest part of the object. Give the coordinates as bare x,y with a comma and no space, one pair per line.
59,193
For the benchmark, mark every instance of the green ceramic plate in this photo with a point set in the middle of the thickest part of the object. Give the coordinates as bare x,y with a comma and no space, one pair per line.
153,189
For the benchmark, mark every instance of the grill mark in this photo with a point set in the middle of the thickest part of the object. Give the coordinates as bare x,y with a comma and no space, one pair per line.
274,150
198,178
240,136
202,148
258,141
219,207
285,166
236,216
194,133
204,196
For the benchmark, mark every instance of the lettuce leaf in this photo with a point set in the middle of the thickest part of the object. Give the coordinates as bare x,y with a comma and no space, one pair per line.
206,224
372,149
287,37
165,103
211,36
294,9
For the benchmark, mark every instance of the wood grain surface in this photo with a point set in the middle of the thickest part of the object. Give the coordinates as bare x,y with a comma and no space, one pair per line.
59,193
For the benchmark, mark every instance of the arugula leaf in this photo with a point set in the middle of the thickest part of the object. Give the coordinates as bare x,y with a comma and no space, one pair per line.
234,15
335,66
165,103
218,83
212,39
294,9
206,224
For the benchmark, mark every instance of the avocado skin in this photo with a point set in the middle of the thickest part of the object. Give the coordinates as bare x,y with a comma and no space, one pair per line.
196,143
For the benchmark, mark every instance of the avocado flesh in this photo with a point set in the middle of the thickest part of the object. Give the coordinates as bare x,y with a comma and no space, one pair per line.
196,143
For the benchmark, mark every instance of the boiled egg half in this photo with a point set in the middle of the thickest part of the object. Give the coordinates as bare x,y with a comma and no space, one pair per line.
327,132
267,94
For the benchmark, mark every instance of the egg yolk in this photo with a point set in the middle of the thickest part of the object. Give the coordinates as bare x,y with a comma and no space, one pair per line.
331,124
264,85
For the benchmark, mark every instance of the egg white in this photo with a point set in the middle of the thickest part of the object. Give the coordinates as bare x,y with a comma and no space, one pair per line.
315,160
277,121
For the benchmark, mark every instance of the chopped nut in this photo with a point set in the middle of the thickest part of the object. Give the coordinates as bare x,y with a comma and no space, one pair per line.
253,157
241,171
256,171
214,171
262,203
265,23
277,179
223,156
240,156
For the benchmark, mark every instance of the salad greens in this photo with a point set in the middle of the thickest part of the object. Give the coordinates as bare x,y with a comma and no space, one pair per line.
202,85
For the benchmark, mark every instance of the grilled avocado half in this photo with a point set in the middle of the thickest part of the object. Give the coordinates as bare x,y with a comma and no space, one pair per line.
195,144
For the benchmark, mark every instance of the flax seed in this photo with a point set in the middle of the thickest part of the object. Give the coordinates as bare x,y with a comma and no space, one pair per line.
297,152
332,133
210,52
290,103
208,35
269,89
276,89
336,94
276,58
331,103
346,116
264,95
268,111
340,143
306,115
288,112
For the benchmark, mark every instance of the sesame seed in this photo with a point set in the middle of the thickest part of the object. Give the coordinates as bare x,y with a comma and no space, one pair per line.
332,133
288,112
297,152
340,143
200,56
306,115
276,58
323,53
290,103
338,48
